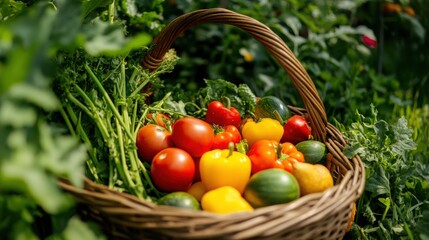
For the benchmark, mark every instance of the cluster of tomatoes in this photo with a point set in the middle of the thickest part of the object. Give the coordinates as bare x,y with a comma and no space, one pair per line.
174,149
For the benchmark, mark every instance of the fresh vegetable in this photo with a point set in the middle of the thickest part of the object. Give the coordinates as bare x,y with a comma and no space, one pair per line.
272,107
181,200
151,139
225,168
263,155
264,128
172,170
159,119
222,115
241,96
289,155
271,186
312,178
193,135
395,200
197,190
296,129
224,200
314,151
226,135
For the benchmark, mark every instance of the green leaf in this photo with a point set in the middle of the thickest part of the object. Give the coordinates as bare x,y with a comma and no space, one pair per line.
15,115
413,23
351,150
9,8
422,226
40,97
378,183
91,5
108,39
403,138
32,180
77,229
242,98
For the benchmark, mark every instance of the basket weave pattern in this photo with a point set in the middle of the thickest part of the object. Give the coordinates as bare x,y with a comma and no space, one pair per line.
315,216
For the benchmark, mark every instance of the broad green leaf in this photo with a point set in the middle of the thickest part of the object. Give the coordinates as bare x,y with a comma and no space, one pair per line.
294,24
378,183
34,182
91,5
9,8
67,23
77,229
104,38
16,115
417,28
403,137
40,97
62,155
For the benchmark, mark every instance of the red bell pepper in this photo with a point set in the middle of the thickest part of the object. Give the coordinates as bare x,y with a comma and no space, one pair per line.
296,130
226,135
222,115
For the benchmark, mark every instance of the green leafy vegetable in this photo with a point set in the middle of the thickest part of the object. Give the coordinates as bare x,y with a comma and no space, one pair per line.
242,98
396,198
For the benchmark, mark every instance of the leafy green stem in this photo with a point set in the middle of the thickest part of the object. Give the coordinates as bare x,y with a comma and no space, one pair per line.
107,98
91,163
112,12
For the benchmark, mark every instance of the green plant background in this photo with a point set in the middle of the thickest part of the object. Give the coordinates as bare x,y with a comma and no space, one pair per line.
324,35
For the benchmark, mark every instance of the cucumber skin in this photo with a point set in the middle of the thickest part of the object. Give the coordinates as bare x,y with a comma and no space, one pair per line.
314,151
181,200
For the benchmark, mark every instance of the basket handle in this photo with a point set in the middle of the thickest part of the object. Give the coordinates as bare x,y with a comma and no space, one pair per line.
271,41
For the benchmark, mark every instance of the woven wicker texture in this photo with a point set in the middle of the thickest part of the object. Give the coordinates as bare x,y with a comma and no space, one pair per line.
315,216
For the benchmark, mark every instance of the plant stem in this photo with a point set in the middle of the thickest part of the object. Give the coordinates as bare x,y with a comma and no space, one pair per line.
108,99
67,120
112,12
124,167
92,162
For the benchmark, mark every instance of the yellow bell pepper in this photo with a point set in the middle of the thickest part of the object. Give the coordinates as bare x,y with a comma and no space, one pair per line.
225,167
224,200
266,128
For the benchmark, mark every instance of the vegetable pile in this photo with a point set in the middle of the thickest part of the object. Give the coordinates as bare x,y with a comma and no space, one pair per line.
221,149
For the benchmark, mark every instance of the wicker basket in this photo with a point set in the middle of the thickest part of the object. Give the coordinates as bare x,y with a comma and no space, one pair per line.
315,216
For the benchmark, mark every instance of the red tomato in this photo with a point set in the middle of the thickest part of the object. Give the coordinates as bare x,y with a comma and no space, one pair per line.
228,134
296,130
193,135
172,170
151,139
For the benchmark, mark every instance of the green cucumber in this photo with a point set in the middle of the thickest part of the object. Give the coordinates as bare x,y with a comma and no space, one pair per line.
180,199
313,151
271,186
267,106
